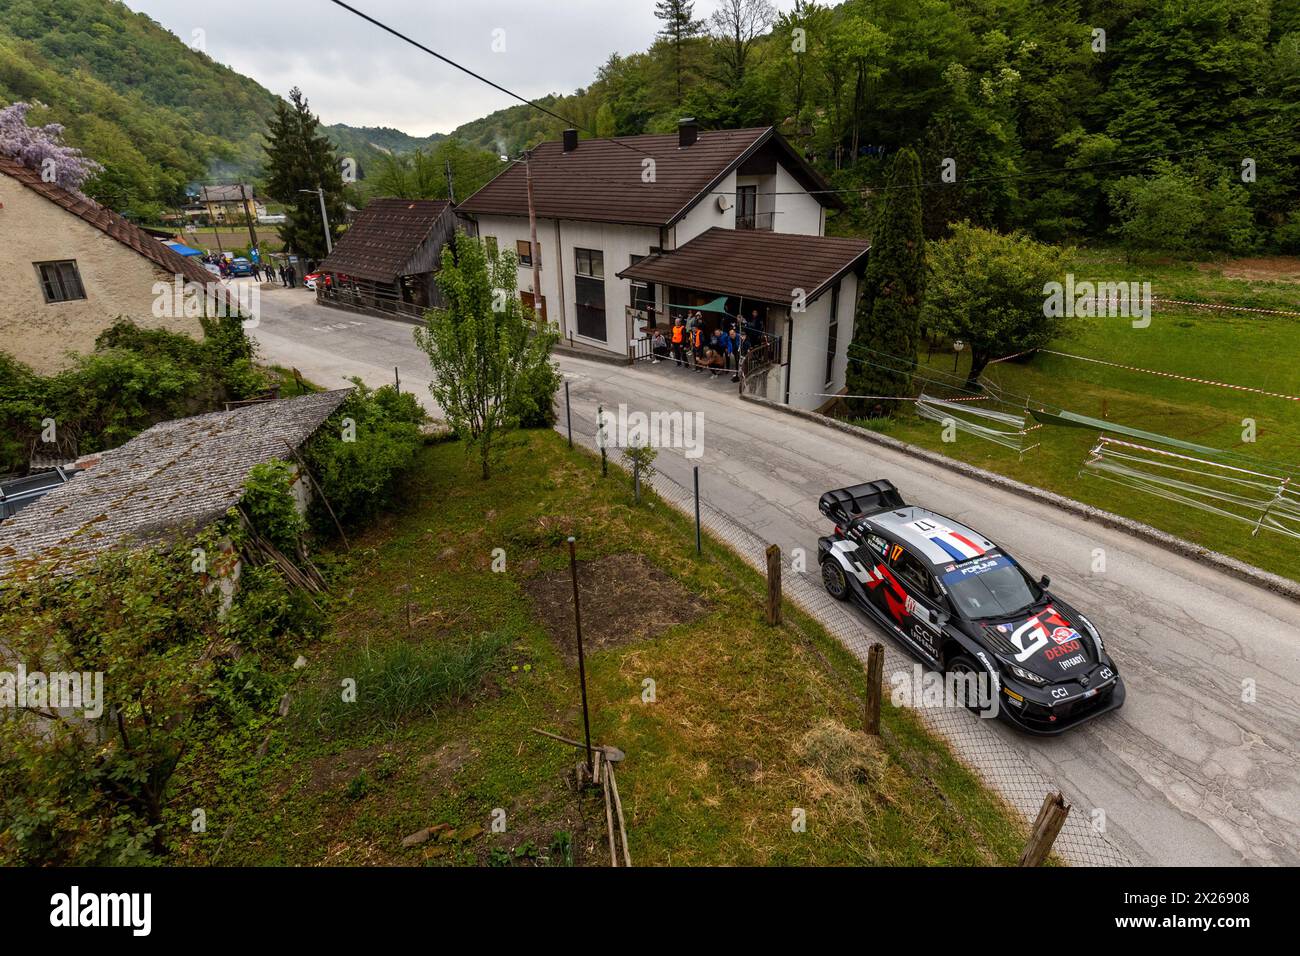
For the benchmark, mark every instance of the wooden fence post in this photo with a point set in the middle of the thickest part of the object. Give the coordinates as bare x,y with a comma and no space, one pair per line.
773,584
1050,820
875,688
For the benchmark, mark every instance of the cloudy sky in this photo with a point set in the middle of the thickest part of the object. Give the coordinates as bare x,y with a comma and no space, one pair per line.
353,72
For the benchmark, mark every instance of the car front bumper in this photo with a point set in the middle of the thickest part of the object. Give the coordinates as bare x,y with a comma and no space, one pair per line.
1048,720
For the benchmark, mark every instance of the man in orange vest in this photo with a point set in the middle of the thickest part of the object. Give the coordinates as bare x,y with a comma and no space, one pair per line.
678,330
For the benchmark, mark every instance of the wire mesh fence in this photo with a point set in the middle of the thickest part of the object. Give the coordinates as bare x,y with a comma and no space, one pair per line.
1002,767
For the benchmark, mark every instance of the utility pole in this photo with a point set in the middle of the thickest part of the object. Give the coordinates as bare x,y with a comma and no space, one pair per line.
451,188
324,216
252,234
532,234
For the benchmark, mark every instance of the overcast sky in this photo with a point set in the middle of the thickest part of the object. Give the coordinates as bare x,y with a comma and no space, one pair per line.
353,72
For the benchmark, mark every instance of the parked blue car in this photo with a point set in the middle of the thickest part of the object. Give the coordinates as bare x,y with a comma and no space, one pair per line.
241,267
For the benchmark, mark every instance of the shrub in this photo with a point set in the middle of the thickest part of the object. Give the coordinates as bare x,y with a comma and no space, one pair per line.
358,468
134,378
535,401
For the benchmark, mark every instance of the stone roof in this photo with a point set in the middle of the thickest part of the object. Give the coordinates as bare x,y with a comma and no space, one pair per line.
107,221
178,475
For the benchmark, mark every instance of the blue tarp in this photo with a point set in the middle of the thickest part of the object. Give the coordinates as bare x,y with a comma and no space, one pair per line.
183,250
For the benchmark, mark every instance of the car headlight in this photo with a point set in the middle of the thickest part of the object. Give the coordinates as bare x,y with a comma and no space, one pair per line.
1027,675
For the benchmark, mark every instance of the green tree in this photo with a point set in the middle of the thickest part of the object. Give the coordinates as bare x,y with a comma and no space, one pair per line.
680,26
1189,208
887,325
483,350
300,157
988,290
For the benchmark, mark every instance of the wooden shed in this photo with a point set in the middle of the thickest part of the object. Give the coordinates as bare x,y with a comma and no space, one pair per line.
389,257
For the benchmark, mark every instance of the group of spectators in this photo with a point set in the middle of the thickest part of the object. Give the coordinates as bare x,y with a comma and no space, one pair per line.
723,349
263,271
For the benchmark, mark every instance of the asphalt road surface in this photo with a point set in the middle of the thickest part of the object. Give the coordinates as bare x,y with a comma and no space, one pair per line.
1193,770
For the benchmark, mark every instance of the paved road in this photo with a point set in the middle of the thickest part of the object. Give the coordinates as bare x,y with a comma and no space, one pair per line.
1186,773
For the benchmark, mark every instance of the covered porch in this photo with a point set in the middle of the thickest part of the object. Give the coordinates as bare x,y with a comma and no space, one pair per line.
778,301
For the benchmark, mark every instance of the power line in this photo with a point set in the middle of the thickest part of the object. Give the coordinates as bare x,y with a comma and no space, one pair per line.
478,76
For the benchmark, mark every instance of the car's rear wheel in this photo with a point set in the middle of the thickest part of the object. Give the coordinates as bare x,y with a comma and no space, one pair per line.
973,683
837,584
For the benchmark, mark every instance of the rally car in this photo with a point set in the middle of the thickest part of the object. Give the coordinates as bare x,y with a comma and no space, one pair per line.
964,606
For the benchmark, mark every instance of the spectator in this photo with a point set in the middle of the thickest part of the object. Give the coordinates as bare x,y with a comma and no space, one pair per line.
731,345
679,340
713,360
658,347
293,277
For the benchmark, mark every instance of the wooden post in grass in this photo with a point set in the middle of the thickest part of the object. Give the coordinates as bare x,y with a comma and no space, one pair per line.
568,412
397,380
582,666
1050,820
875,688
773,584
600,440
699,544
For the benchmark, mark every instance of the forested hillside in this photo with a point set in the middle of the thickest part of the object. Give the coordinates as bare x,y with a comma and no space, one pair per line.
157,113
1063,117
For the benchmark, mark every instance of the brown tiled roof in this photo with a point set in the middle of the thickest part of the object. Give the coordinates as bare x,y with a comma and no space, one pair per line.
179,474
384,238
107,222
765,266
602,180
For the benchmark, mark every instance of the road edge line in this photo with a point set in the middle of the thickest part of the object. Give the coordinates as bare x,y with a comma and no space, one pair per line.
1273,583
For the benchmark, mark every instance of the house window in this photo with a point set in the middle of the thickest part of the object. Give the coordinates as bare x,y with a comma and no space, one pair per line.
833,335
589,289
60,281
524,249
746,207
643,293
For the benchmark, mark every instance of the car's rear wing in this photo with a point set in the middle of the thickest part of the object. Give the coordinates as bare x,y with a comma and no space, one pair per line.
844,504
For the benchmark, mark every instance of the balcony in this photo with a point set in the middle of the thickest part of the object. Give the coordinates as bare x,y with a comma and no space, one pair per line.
761,221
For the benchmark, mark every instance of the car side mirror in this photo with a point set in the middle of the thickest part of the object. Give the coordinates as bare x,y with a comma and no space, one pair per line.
1044,582
939,618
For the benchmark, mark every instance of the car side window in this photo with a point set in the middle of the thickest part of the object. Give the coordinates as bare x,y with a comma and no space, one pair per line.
914,574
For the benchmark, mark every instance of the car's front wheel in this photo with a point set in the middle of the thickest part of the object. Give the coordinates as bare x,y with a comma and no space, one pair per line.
974,688
837,585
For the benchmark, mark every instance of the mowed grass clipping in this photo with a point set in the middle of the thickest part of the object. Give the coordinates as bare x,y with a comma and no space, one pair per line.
1258,351
732,729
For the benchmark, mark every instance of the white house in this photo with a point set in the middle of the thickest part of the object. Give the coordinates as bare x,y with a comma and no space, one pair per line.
634,231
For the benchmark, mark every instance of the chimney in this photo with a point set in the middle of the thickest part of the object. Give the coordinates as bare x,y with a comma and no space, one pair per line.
570,140
688,131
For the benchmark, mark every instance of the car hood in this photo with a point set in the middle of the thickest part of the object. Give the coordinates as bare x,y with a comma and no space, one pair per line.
1044,641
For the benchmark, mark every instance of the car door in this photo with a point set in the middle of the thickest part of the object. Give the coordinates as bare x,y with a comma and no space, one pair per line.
922,601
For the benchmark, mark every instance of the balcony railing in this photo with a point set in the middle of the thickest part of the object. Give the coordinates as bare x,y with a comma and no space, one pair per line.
762,221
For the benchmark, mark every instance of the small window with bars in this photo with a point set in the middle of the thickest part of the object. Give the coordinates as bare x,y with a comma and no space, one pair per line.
60,281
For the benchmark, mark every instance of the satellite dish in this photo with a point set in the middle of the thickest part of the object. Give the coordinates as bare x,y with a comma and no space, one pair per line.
724,203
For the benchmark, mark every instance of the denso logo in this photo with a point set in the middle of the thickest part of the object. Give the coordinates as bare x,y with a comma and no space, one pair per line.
1052,653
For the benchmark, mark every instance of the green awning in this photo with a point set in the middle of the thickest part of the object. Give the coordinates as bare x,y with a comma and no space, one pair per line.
718,305
1072,420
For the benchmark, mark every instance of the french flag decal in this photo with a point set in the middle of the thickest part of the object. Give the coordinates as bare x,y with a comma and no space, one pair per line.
957,545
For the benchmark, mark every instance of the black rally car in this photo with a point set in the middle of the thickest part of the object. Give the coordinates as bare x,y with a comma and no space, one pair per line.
963,605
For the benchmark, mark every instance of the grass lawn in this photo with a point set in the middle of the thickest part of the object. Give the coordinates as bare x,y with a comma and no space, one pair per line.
748,722
1259,351
229,238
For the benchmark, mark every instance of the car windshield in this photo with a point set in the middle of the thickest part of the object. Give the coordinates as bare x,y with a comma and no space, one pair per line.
990,587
